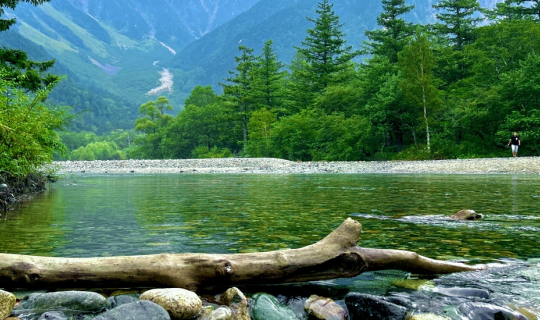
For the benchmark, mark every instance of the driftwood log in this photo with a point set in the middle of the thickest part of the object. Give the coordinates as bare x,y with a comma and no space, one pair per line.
336,256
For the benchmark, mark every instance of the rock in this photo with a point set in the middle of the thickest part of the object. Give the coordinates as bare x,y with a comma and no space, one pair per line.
428,316
140,310
54,315
80,301
222,313
267,307
117,301
7,303
467,215
463,292
324,308
486,311
367,307
236,300
180,303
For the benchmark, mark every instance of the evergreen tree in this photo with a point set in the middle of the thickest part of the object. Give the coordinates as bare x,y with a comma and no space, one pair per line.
324,47
269,76
238,94
516,9
458,21
394,33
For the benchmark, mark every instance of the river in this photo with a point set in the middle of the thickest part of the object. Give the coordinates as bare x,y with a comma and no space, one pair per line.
108,215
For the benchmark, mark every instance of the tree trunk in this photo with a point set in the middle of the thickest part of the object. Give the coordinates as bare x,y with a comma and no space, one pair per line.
336,256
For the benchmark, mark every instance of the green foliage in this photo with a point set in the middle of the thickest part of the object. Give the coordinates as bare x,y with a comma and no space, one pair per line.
420,92
201,97
27,130
203,152
152,124
99,151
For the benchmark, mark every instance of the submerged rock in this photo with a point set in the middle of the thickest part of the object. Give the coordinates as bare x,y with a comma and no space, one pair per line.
140,310
54,315
467,215
79,301
463,292
236,300
267,307
486,311
7,303
368,307
221,313
324,308
180,303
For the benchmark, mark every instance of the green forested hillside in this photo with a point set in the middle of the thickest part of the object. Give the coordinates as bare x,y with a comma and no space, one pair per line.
95,109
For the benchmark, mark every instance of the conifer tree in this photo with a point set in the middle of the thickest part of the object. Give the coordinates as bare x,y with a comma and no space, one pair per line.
458,21
268,81
324,47
238,94
516,9
394,33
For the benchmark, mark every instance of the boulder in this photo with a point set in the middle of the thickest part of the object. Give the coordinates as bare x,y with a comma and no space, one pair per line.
140,310
368,307
267,307
7,303
462,292
324,308
54,315
80,301
117,301
486,311
236,300
467,215
180,303
221,313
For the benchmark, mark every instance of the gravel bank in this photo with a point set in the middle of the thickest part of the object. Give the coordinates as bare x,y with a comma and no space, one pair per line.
522,165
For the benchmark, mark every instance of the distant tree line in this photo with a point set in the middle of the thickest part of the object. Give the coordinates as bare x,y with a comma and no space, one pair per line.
455,88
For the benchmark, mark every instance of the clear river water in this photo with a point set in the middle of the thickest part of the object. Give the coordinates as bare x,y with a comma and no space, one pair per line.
108,215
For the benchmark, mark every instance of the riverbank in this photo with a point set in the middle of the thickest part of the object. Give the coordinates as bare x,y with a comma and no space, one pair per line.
522,165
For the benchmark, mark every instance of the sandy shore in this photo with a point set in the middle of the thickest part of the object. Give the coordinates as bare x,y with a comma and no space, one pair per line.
523,165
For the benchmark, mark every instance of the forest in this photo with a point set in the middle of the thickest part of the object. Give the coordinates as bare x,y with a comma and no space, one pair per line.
457,88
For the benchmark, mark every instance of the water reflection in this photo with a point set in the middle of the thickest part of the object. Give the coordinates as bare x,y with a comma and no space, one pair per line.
128,214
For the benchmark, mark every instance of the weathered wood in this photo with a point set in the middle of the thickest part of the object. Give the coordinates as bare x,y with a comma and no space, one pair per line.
336,256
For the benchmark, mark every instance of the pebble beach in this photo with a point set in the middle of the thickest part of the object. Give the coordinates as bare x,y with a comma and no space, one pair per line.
510,165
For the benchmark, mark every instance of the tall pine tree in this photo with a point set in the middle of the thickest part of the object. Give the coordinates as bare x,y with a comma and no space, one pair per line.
238,93
324,47
393,35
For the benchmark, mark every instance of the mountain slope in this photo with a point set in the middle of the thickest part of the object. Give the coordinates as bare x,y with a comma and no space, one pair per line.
115,45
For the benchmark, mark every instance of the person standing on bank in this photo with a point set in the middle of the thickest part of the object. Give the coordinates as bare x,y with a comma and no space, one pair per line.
514,142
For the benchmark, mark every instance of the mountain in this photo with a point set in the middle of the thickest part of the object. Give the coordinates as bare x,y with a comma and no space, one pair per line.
121,46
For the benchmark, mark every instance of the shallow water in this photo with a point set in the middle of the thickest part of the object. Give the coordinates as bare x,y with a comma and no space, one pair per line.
109,215
112,215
